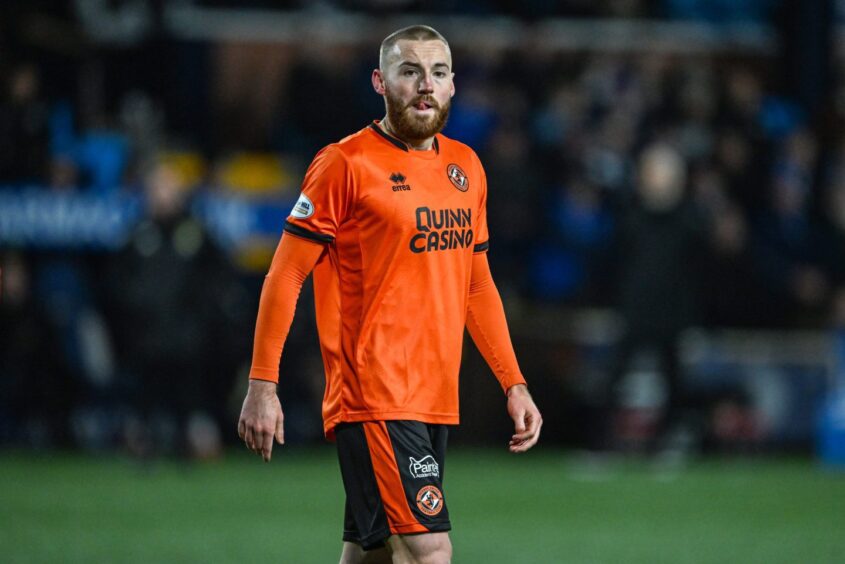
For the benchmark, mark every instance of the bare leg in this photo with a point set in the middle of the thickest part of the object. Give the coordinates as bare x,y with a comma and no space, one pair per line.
354,554
427,548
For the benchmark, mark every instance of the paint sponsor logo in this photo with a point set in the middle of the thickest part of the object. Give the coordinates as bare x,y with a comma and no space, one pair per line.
426,467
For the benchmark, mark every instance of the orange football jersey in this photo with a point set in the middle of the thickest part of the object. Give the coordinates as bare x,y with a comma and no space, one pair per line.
391,291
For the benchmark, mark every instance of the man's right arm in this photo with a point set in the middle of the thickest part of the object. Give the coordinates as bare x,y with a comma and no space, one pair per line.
261,416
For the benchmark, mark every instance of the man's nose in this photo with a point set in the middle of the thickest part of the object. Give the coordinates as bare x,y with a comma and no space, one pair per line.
426,84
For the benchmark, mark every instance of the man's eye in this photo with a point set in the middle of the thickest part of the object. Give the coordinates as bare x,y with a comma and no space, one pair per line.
439,74
410,72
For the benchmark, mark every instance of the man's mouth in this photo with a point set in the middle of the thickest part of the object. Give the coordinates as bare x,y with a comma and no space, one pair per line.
423,105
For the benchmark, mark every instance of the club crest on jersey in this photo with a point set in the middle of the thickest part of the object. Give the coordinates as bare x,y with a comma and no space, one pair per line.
441,230
303,207
398,180
457,177
430,500
425,467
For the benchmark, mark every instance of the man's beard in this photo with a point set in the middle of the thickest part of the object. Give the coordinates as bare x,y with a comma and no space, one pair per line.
410,127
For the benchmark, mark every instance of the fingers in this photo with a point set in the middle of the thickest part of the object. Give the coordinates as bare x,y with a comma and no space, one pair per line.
249,438
256,439
260,422
521,442
266,445
521,433
280,430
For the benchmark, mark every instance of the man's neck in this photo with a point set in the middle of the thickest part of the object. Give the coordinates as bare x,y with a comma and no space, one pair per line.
423,145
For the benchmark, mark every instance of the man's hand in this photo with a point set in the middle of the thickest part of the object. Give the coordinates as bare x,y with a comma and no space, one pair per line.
261,418
526,418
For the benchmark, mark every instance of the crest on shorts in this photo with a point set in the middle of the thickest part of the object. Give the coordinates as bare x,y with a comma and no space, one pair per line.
430,500
457,177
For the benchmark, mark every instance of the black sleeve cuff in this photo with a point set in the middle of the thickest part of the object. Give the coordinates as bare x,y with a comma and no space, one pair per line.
305,234
481,247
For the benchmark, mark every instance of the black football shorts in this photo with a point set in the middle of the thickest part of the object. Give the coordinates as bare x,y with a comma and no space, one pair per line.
393,476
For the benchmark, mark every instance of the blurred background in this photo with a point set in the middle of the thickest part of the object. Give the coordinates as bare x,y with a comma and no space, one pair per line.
667,217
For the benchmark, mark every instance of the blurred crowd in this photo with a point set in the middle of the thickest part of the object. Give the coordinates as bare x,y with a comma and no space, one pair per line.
678,190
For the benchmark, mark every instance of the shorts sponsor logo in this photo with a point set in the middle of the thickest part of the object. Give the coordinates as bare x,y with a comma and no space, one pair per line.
303,207
430,500
426,467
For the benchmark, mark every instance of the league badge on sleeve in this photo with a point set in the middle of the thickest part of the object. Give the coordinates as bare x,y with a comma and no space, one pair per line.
458,177
303,208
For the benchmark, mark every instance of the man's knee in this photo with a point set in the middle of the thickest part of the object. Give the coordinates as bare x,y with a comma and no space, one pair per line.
354,554
428,548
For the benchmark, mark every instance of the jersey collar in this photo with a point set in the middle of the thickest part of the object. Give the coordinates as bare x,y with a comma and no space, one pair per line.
398,142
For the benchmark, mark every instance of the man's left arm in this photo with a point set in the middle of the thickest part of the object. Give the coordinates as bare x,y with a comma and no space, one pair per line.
489,330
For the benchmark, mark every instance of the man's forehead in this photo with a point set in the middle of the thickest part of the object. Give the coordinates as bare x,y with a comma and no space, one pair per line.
431,51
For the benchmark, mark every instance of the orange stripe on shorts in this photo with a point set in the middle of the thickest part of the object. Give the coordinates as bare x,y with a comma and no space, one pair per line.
399,515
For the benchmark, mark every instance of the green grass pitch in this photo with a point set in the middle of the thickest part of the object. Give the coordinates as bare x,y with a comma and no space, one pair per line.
543,507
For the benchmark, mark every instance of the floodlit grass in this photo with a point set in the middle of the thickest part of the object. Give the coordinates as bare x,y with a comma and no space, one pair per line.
546,506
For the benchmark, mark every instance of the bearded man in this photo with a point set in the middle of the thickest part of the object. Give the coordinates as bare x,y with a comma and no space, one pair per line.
392,223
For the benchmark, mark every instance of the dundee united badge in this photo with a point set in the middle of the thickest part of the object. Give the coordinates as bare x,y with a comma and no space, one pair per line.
430,500
458,177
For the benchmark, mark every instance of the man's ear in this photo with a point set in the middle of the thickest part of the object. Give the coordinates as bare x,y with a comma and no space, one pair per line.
378,81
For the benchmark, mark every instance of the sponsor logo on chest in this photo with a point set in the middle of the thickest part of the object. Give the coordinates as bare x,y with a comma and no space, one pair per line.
442,229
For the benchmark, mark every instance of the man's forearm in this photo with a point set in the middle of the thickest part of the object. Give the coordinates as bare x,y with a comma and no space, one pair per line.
488,327
294,260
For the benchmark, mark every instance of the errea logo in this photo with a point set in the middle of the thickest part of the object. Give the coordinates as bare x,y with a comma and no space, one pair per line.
399,182
426,467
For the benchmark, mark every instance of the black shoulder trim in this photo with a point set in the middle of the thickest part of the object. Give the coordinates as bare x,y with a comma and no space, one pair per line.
305,234
390,138
481,247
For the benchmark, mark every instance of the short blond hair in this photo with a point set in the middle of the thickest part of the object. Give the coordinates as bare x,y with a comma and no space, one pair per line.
410,33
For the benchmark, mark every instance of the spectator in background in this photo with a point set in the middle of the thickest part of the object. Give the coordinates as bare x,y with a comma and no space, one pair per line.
35,390
64,284
568,265
322,99
166,298
789,249
729,296
514,210
661,237
834,225
24,135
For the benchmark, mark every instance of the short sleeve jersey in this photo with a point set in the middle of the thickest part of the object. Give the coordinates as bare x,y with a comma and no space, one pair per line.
391,290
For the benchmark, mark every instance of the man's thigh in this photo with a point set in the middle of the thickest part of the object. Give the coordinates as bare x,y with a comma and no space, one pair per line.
392,473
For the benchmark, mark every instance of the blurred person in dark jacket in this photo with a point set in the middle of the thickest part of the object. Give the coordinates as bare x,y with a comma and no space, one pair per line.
35,390
790,247
167,288
834,229
515,210
661,237
24,135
